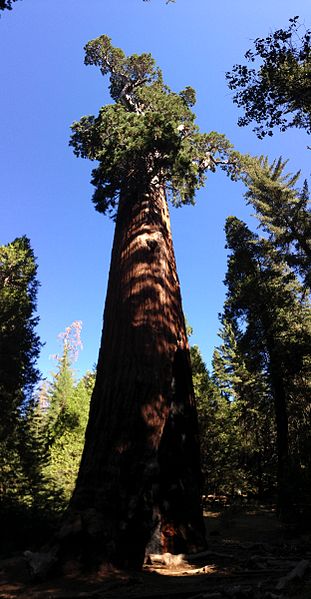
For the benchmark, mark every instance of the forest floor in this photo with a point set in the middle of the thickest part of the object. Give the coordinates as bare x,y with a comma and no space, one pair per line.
250,555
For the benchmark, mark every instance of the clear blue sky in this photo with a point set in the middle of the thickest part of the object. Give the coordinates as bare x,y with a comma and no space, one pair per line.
45,190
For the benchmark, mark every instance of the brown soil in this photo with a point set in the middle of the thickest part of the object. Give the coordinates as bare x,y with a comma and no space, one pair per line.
249,554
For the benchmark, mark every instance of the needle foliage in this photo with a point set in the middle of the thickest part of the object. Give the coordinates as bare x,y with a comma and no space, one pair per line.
148,136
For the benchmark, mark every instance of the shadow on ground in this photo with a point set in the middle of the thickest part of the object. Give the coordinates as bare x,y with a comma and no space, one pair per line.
250,555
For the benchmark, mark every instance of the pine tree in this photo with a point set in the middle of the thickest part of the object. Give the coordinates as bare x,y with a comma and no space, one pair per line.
66,415
240,379
265,301
283,211
20,449
218,435
19,350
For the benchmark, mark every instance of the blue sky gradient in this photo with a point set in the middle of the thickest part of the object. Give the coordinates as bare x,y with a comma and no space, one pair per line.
45,190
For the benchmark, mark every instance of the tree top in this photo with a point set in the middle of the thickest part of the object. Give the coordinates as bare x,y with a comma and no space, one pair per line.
148,136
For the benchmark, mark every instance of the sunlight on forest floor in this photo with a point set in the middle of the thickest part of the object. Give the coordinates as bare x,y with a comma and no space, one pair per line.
249,555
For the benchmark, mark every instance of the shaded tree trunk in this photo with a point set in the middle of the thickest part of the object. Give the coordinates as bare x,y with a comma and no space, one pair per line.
138,487
284,496
277,381
281,417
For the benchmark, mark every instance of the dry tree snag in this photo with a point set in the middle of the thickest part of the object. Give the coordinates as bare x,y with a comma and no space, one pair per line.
139,480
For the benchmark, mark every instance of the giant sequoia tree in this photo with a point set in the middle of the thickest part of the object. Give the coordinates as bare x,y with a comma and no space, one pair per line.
139,479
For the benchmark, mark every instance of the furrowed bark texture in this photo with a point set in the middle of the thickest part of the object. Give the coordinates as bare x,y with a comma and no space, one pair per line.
138,487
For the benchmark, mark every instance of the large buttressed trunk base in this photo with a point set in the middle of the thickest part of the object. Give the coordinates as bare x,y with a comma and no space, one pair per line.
138,487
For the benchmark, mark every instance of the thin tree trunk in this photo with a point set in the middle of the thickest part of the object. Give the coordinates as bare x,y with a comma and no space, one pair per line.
281,420
281,417
138,486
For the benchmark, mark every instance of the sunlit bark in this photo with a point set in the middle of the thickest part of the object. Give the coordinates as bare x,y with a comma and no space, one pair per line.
138,487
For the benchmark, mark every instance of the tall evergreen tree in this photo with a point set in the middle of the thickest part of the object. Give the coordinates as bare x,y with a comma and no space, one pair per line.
218,434
66,415
283,211
19,350
139,479
264,300
240,379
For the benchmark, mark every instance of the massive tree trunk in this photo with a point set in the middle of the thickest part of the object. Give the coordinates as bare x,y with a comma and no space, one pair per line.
138,487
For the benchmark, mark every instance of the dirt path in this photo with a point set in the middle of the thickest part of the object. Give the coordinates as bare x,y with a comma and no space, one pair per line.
250,556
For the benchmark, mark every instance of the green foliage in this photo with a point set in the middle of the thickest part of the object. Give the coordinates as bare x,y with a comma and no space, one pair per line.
66,448
38,481
24,492
218,438
19,343
263,292
226,361
263,364
277,92
67,415
283,211
239,379
148,137
272,317
19,350
40,458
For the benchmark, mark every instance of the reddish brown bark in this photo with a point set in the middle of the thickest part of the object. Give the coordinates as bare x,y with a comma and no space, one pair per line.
139,479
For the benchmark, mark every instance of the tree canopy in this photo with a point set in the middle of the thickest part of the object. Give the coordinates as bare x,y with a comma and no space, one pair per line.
276,92
19,342
6,4
282,209
19,350
267,306
67,413
149,134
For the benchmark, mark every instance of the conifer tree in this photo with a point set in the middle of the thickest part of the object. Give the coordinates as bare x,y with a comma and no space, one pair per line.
218,436
265,301
19,350
66,415
283,211
139,478
239,377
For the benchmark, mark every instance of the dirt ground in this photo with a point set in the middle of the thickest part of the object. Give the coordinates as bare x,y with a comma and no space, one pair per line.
250,555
